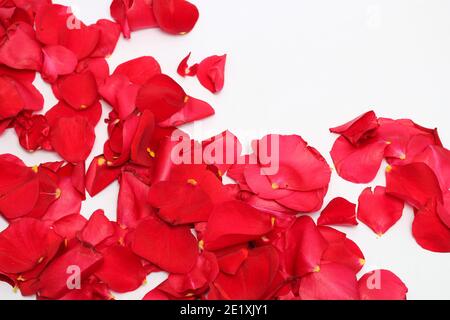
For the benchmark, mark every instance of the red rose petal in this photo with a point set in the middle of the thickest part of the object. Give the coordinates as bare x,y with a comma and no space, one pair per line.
230,262
193,110
132,204
82,40
381,285
184,69
235,222
211,73
415,183
33,132
97,229
24,244
140,70
69,226
62,110
11,103
429,231
142,140
79,90
303,248
100,175
19,50
73,138
378,210
254,278
121,269
58,60
332,282
341,249
357,164
175,16
438,159
173,249
161,95
133,15
108,38
338,212
359,129
53,281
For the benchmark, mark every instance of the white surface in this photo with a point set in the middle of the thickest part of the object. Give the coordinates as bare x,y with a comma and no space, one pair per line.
302,66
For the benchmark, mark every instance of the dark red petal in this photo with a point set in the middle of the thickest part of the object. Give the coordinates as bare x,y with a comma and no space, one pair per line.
79,90
184,69
132,203
230,262
358,164
73,138
415,183
121,269
19,50
62,110
58,60
378,210
211,73
53,281
173,249
97,229
338,212
381,285
359,129
193,110
332,282
254,278
161,95
429,231
235,222
140,70
175,16
303,248
24,245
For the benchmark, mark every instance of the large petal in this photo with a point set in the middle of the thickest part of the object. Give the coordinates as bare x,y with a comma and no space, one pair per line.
381,285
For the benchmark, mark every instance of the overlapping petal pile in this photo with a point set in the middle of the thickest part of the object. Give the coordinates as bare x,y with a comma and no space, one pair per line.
252,239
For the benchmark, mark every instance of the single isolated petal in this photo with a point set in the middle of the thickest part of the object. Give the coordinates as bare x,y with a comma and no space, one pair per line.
173,249
73,138
175,16
359,129
338,212
211,73
414,183
379,210
332,281
381,285
184,69
358,164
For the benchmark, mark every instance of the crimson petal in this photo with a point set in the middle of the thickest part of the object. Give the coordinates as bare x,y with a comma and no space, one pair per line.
339,212
381,285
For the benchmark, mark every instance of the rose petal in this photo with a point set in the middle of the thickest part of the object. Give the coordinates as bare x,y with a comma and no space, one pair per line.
339,212
378,210
184,69
175,16
79,90
211,73
359,129
381,285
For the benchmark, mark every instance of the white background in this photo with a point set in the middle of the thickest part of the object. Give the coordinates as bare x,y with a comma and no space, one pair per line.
302,66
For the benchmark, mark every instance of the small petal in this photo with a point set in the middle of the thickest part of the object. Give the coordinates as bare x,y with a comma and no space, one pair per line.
338,212
381,285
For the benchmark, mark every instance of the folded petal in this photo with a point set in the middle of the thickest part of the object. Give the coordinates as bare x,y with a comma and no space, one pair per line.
97,229
184,69
100,175
211,73
359,129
